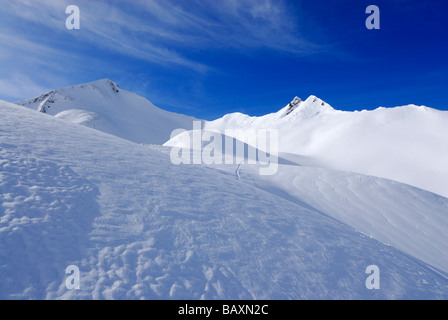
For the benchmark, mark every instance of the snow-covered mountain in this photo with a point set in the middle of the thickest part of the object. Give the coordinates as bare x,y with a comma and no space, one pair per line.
104,106
138,226
408,144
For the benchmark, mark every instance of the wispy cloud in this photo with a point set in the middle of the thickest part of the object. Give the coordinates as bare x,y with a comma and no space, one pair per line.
166,33
158,30
17,86
237,24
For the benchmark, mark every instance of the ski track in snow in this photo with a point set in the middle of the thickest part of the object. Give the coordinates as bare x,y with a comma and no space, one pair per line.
139,227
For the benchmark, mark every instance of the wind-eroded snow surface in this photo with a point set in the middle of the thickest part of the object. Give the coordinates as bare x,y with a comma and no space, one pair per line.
139,227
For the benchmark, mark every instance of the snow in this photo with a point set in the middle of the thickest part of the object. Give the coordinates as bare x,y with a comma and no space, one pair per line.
103,105
407,144
407,218
410,219
83,117
139,227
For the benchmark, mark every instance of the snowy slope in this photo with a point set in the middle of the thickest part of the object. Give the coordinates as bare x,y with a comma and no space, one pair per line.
139,227
104,106
410,219
407,144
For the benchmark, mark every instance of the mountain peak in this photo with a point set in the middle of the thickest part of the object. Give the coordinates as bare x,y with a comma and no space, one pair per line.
104,106
44,102
292,105
106,83
103,80
317,103
309,108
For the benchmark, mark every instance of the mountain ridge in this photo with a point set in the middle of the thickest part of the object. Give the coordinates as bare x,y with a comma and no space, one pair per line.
405,143
104,106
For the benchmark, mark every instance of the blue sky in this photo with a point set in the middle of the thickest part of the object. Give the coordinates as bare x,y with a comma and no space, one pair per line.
210,57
